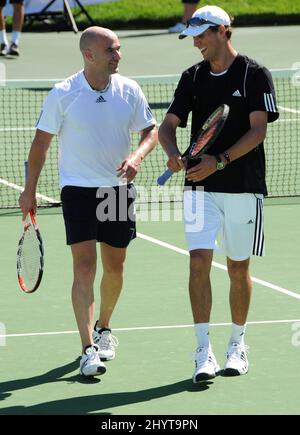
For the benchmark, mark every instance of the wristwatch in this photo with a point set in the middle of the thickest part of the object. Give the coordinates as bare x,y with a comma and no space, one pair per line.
220,164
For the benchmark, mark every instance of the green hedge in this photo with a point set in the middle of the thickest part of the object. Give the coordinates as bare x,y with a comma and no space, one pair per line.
138,14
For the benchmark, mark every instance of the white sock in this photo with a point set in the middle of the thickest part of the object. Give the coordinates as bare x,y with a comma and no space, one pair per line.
3,37
15,37
237,334
202,334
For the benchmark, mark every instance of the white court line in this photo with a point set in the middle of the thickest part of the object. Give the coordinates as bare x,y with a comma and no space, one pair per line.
21,188
287,109
145,328
289,120
219,266
17,128
284,109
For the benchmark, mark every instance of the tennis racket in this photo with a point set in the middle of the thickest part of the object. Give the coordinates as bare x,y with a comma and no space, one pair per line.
30,256
203,140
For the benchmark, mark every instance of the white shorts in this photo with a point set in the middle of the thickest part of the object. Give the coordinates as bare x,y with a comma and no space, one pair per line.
231,223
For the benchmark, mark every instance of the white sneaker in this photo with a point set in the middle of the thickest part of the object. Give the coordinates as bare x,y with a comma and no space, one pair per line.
106,342
90,363
177,28
237,362
206,365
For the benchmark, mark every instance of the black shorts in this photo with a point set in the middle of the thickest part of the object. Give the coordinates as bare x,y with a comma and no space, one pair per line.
13,2
190,1
106,214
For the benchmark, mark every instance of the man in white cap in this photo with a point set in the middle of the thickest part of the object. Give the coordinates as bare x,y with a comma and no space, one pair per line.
229,179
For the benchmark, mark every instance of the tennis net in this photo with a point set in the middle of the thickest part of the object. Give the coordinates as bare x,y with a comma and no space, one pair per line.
21,102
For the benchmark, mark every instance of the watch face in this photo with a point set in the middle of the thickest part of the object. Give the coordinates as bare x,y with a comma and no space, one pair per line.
220,165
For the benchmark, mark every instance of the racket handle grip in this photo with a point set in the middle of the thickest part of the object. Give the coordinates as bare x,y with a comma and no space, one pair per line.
162,179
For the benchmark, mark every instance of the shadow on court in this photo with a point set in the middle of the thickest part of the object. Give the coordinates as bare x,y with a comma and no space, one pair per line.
51,376
91,404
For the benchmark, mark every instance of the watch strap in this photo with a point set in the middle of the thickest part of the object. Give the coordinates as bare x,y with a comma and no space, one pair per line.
227,158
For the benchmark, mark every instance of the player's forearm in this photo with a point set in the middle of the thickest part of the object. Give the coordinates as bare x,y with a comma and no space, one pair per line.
36,159
148,141
247,143
167,139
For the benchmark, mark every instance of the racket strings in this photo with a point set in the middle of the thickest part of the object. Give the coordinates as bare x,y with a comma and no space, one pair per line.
29,258
204,138
209,130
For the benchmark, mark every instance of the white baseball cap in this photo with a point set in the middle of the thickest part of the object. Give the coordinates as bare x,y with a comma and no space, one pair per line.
203,18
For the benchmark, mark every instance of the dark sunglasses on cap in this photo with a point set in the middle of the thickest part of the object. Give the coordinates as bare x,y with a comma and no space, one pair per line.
196,22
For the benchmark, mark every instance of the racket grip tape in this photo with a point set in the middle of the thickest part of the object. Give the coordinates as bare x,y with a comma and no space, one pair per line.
162,179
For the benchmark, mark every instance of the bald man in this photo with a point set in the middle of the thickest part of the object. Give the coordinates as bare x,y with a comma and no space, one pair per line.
93,113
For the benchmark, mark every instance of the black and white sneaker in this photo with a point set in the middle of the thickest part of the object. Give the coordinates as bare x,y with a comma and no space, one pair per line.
13,50
3,49
206,365
237,362
106,342
90,363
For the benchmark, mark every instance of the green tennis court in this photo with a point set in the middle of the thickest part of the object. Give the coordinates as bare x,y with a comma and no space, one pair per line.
39,345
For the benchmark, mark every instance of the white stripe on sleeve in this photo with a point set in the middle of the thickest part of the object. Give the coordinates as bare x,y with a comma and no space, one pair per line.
269,103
